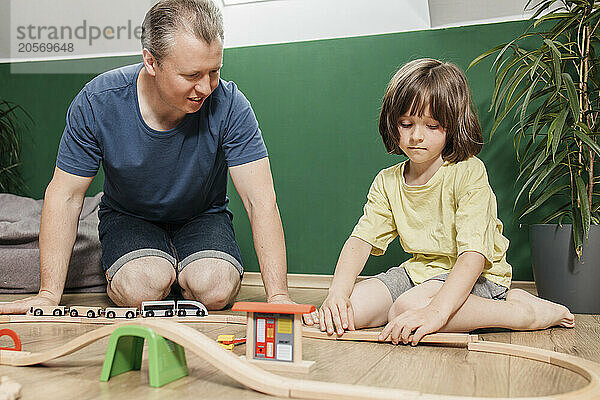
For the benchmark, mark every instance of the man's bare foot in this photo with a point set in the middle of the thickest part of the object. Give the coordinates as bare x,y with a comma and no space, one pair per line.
545,313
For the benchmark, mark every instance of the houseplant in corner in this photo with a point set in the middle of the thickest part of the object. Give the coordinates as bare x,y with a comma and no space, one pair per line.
10,149
548,78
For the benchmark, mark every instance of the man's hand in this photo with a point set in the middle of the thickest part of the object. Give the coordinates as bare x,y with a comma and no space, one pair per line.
415,324
280,299
22,306
336,313
285,299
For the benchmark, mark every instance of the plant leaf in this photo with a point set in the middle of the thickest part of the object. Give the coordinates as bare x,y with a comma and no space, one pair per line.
547,171
564,209
572,94
584,205
481,57
558,130
556,56
526,101
507,109
577,231
586,138
542,199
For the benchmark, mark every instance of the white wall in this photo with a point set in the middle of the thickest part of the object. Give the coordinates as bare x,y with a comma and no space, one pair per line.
280,21
256,22
445,13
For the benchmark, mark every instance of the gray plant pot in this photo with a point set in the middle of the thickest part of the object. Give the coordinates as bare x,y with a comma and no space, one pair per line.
558,274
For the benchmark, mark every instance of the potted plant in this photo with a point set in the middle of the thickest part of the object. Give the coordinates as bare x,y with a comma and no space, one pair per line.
548,78
11,180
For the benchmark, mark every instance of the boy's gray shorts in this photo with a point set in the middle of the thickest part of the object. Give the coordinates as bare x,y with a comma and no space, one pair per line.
398,281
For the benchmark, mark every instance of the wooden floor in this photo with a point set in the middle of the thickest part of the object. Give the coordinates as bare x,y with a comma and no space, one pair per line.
428,369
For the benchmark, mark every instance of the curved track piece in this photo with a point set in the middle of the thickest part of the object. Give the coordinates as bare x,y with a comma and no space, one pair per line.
255,378
25,358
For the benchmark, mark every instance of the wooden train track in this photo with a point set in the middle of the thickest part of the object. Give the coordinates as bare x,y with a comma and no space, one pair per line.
449,339
260,380
214,318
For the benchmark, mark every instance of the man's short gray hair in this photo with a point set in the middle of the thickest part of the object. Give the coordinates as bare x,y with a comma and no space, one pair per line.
201,18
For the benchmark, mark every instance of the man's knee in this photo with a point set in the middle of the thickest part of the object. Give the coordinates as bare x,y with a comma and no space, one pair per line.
145,278
212,281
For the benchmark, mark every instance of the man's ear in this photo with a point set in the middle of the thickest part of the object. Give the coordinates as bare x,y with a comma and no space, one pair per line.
149,62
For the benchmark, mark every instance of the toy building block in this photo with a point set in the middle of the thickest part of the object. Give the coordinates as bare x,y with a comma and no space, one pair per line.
274,335
228,342
166,359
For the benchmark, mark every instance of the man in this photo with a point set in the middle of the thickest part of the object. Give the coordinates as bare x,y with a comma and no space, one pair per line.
166,132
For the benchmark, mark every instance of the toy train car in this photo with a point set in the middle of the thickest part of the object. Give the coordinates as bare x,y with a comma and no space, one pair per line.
90,312
57,311
121,312
169,308
163,308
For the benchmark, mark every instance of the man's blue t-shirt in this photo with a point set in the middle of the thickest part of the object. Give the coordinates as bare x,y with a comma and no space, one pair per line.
166,176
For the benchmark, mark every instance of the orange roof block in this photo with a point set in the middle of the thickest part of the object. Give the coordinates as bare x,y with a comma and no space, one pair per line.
252,306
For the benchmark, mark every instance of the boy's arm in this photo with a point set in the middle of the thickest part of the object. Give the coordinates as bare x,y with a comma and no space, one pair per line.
336,311
351,262
458,285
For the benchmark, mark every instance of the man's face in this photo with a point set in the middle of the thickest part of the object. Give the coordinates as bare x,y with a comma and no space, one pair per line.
189,73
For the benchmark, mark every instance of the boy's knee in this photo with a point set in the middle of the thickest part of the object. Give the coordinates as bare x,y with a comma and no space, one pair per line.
415,298
405,303
213,282
141,280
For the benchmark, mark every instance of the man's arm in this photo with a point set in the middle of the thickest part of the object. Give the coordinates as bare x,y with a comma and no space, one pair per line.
254,183
63,201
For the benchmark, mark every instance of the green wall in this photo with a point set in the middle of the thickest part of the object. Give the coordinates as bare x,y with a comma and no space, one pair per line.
317,103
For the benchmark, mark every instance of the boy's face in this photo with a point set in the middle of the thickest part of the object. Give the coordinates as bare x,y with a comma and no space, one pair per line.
189,73
422,139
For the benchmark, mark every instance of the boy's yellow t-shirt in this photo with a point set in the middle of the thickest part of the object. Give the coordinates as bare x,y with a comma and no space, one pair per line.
454,212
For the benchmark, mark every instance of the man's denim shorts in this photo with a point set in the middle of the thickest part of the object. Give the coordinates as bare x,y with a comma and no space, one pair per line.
125,238
398,281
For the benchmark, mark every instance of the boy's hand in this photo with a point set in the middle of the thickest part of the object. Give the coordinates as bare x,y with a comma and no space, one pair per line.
415,324
336,313
312,318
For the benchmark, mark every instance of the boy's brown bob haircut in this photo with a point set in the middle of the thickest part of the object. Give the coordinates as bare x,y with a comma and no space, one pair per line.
444,88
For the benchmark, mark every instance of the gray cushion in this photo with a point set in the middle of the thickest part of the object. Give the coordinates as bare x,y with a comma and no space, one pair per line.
20,254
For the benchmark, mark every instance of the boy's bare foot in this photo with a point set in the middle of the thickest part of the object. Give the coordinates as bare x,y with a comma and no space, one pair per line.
545,313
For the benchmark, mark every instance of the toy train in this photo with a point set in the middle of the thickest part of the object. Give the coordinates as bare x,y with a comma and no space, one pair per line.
162,308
